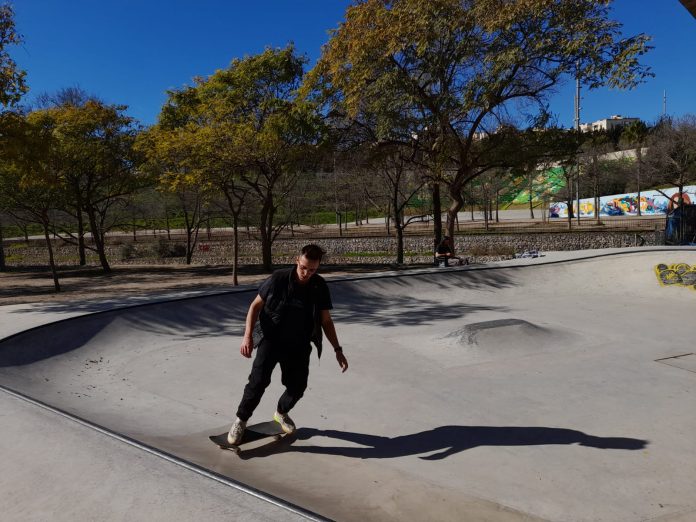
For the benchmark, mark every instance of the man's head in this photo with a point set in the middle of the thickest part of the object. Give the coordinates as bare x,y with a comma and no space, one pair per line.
308,262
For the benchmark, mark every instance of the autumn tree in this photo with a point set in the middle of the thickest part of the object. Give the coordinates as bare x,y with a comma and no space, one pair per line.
95,144
30,174
461,67
259,136
12,84
173,156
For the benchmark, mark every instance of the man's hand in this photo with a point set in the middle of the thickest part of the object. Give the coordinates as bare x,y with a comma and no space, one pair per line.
342,361
247,346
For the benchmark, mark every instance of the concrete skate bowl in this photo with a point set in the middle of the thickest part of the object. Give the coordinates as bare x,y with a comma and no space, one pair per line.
169,374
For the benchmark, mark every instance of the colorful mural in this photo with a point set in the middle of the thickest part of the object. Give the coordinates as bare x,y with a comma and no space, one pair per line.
678,274
652,203
547,182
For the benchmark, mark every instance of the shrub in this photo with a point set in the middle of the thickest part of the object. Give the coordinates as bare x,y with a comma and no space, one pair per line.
166,249
127,251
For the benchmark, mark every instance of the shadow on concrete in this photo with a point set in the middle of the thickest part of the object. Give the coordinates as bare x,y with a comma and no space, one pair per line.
392,301
208,316
450,440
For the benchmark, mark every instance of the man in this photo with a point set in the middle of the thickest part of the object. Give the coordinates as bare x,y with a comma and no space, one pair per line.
444,253
290,310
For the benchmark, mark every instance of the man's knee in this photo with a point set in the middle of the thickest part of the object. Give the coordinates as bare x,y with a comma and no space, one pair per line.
259,380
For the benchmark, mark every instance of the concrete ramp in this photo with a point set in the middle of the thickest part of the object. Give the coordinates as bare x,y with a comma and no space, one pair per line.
511,392
509,338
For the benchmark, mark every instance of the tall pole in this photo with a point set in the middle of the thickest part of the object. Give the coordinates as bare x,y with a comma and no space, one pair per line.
577,129
664,103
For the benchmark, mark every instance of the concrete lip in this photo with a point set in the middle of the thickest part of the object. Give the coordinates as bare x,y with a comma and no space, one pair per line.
521,391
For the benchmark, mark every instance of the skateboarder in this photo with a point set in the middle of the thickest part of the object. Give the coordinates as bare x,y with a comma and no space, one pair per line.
290,311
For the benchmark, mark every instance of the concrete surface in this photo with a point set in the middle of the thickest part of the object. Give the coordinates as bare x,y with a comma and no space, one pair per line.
543,389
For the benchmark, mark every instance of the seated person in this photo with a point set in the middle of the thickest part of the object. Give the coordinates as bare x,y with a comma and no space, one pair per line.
444,253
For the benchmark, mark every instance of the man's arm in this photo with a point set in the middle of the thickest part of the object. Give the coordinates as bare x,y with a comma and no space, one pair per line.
251,318
330,331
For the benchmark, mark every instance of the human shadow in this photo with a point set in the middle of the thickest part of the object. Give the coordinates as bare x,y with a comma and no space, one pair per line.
446,441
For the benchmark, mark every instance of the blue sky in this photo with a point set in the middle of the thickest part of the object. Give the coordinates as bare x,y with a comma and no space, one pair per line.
131,51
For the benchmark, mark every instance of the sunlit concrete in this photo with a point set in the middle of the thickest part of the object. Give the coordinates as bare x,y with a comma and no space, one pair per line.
529,390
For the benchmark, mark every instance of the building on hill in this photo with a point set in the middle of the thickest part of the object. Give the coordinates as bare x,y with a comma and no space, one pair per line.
607,124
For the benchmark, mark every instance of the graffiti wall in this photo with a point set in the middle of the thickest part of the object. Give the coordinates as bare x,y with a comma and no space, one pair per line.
652,203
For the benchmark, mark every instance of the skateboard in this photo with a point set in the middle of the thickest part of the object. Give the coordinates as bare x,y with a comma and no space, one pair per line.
253,433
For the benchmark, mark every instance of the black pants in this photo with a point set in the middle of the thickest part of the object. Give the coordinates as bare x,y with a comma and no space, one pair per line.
294,364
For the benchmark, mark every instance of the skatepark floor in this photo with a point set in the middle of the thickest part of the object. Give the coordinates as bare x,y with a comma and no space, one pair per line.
561,388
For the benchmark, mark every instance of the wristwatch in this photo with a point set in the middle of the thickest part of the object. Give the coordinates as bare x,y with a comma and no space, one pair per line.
339,349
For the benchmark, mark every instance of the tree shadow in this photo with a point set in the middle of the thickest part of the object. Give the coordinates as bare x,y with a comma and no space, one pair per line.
380,301
446,441
398,300
187,318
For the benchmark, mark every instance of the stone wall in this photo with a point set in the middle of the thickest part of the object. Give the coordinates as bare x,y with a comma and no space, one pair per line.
479,248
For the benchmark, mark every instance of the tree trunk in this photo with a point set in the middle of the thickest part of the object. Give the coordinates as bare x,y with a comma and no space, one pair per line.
81,237
437,213
3,268
399,226
266,231
639,155
99,239
497,206
51,260
235,249
595,189
457,204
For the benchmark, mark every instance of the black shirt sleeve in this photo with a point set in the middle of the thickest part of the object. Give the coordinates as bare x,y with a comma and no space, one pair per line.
266,287
323,296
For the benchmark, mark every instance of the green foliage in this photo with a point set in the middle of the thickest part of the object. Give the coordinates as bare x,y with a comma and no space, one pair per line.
12,80
450,71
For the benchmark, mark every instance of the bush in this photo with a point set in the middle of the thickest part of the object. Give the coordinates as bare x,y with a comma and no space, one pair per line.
127,251
166,249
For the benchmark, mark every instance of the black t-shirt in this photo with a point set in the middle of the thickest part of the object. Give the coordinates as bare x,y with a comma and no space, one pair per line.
294,305
443,248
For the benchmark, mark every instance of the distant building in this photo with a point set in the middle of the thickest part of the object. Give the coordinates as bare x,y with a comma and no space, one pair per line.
607,124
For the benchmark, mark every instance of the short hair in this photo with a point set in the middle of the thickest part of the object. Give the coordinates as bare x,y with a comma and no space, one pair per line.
313,252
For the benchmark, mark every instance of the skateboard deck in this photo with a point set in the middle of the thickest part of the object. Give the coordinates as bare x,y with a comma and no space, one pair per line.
252,433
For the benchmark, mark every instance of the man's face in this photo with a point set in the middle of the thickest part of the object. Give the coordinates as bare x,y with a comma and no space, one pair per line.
305,269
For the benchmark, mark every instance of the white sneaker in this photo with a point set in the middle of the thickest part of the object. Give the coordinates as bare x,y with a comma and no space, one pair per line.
285,422
236,432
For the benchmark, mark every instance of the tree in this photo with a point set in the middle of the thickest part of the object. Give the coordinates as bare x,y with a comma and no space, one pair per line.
671,156
397,182
280,131
12,84
594,144
635,134
173,156
269,134
463,67
29,177
95,143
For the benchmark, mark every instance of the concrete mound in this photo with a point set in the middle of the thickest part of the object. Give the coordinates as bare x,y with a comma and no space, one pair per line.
509,337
